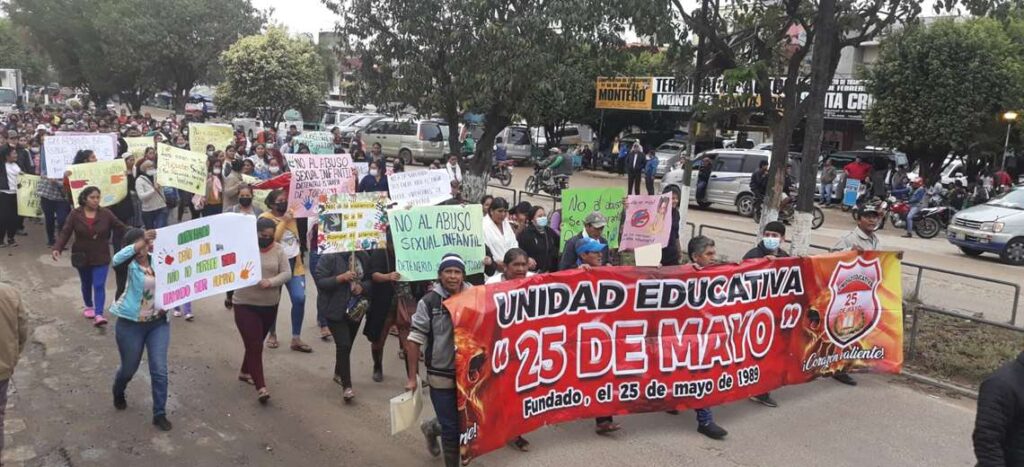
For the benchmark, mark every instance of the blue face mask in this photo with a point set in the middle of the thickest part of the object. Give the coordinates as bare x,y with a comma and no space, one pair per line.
541,221
771,243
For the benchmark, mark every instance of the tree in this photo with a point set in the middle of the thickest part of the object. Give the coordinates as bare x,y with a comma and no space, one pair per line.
16,52
941,88
269,74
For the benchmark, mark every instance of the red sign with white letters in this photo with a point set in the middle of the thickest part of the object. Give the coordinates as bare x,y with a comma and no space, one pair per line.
581,344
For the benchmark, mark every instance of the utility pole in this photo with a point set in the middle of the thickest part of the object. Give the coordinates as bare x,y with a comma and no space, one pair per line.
697,79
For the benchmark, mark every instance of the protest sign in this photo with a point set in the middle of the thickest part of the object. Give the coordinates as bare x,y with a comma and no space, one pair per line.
204,257
363,169
577,203
181,169
60,148
259,197
28,201
648,221
202,134
324,136
423,235
108,176
315,177
137,145
420,188
647,255
558,347
353,222
315,146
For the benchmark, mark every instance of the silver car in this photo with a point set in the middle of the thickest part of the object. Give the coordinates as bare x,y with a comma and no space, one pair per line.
422,141
730,178
994,227
667,152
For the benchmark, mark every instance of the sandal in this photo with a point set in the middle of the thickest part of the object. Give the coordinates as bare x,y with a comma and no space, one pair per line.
272,342
337,379
263,396
607,427
246,379
520,444
349,395
228,304
325,334
300,347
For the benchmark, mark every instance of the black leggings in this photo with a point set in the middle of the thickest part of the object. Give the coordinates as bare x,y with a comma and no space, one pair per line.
9,219
344,332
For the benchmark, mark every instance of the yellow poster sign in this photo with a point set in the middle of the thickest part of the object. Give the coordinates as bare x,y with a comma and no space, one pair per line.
137,145
179,168
108,176
258,196
626,93
202,134
28,200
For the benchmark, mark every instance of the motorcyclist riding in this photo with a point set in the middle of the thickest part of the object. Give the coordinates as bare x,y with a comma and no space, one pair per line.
918,201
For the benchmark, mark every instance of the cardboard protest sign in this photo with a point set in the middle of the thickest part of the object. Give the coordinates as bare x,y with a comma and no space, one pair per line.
202,134
60,148
108,176
619,340
423,235
577,203
204,257
420,188
648,221
316,177
28,201
353,222
137,145
182,169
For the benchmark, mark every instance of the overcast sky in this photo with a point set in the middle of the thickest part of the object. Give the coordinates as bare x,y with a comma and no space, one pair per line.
300,15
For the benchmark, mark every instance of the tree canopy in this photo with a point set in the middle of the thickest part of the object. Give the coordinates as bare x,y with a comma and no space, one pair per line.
16,52
269,74
941,88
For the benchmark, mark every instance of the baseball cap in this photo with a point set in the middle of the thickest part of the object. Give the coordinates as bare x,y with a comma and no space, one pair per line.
596,219
588,245
42,127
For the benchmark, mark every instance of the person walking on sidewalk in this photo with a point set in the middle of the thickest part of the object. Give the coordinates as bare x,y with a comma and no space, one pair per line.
13,336
287,235
432,328
341,284
255,306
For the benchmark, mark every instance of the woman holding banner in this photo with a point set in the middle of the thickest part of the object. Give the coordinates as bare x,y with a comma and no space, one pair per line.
255,306
91,227
287,235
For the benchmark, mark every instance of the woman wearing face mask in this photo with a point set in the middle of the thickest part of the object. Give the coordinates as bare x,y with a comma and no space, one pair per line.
212,202
232,184
151,194
374,181
340,278
539,241
140,325
210,150
91,226
255,306
244,206
287,234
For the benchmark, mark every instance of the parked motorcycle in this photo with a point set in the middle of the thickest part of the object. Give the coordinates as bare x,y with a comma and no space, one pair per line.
543,180
933,220
502,173
786,214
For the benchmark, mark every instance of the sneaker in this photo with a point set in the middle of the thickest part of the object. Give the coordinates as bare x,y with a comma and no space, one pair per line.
607,427
120,403
162,423
189,317
431,435
349,395
177,314
89,312
765,399
845,379
713,431
100,321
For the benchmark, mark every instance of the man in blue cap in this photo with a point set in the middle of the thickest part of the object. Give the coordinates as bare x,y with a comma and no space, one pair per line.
593,228
432,327
589,255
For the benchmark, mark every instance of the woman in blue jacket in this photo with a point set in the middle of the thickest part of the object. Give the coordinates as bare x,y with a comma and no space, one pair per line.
141,325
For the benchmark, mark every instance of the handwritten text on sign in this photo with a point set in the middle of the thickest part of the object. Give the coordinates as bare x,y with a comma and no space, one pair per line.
315,177
353,222
578,203
205,257
60,149
181,169
420,188
28,200
423,235
648,221
201,135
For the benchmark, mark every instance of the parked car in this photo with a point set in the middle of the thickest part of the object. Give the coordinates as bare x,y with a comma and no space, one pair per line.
666,154
351,129
994,227
574,135
410,140
730,177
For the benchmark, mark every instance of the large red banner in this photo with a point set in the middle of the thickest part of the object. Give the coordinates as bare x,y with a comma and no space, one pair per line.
616,340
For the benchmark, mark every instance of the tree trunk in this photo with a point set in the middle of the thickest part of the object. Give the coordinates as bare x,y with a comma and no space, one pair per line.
477,170
782,134
823,61
181,94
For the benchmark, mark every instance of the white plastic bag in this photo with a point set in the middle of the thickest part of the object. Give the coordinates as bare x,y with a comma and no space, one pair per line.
405,409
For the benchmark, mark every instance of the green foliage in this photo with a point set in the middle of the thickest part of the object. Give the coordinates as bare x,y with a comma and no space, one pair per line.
941,88
269,74
16,52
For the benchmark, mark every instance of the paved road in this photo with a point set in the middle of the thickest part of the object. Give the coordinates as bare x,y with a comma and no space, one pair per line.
61,414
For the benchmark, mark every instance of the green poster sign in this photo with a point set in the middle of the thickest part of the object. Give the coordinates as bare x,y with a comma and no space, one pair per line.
423,235
577,203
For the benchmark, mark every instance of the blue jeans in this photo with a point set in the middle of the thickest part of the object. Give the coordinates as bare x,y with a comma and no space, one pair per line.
132,338
155,219
314,259
446,408
297,293
54,214
826,193
910,219
94,286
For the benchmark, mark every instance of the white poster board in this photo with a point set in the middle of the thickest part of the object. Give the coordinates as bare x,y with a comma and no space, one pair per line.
420,188
204,257
59,149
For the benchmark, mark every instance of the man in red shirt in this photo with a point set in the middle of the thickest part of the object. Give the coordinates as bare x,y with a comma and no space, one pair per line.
1002,178
857,170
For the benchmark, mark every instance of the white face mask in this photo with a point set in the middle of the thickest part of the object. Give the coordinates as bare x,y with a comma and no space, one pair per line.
274,169
151,172
373,172
209,153
216,171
